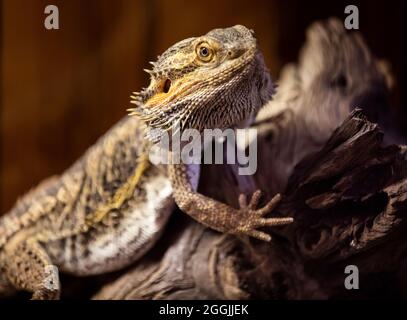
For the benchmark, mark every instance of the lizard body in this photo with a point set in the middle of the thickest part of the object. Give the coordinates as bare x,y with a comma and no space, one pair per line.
111,206
77,218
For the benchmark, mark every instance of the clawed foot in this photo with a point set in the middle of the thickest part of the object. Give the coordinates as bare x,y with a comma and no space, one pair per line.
253,218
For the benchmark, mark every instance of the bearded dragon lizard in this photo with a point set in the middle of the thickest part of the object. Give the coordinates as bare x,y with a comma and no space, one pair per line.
111,206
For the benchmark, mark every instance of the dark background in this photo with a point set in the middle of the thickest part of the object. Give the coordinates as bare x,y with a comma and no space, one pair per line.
62,89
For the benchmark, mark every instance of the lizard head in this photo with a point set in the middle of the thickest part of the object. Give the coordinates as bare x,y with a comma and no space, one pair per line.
214,81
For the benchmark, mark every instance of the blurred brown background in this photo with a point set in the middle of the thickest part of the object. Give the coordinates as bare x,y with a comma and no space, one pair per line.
62,89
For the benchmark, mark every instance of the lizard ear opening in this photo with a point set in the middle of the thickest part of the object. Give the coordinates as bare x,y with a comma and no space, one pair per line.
167,86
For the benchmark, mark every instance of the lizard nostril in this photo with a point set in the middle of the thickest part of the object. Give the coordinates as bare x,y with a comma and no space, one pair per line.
167,86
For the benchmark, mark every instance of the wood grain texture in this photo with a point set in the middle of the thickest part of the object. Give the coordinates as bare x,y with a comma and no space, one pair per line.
349,202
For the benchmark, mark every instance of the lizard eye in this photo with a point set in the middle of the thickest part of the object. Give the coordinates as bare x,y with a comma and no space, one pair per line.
204,52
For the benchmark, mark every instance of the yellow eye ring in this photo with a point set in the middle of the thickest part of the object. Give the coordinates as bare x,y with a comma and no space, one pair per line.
204,52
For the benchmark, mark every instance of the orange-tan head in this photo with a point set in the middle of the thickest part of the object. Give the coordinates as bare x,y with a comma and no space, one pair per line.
213,81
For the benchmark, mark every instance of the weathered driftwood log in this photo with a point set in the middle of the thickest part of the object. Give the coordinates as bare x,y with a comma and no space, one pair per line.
345,188
349,201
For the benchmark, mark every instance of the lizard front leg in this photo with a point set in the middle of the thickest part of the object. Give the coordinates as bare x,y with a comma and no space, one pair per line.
219,216
27,266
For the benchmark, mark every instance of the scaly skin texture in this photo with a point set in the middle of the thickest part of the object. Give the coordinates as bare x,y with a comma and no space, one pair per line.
111,206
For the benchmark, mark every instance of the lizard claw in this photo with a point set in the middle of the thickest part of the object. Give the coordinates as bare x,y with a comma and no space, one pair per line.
253,218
